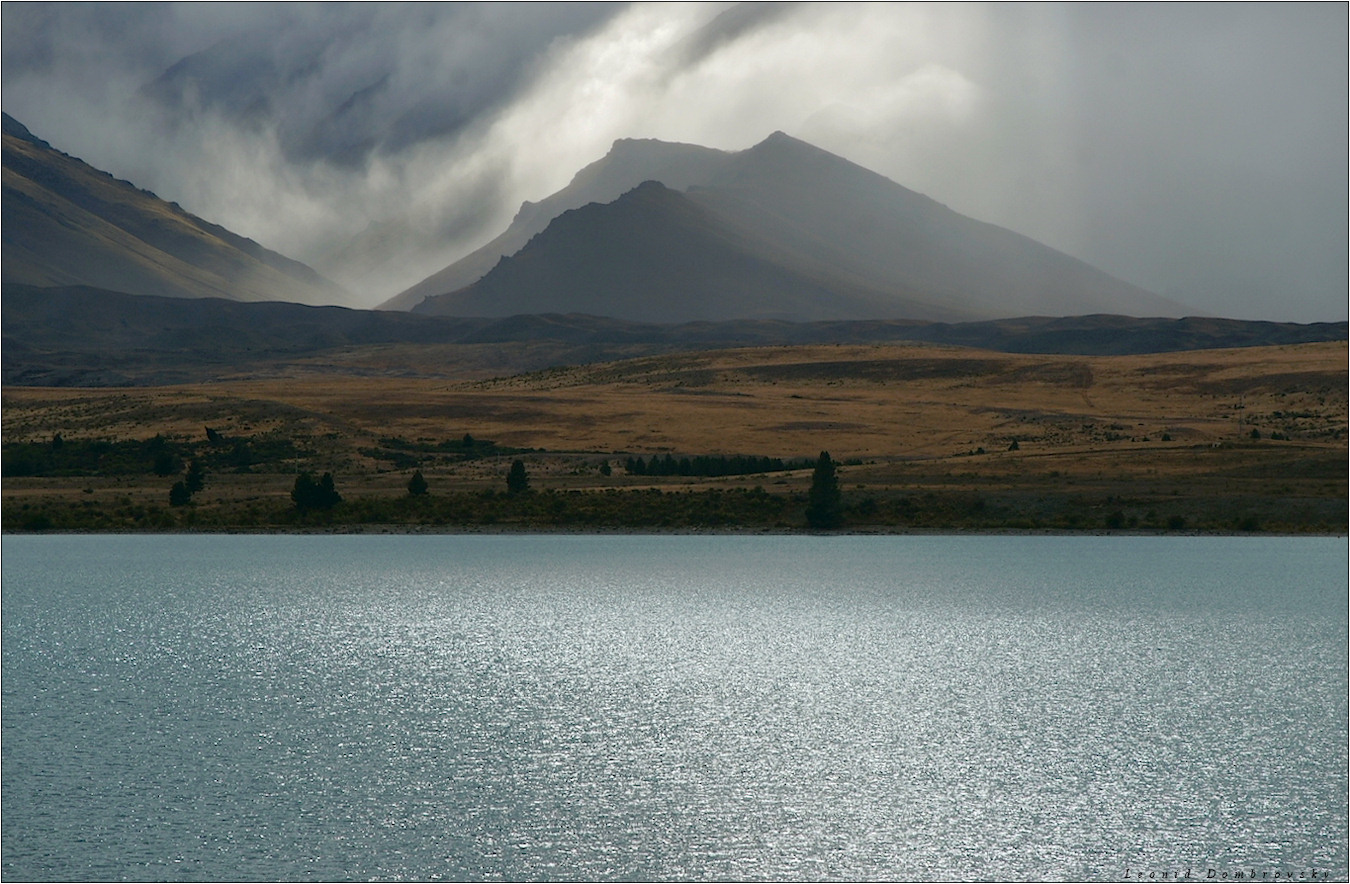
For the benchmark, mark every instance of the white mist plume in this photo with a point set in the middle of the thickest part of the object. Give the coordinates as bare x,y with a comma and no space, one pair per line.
1196,151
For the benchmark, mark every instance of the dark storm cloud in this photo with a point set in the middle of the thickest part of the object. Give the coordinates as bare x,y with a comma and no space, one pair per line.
1196,150
340,82
294,123
334,82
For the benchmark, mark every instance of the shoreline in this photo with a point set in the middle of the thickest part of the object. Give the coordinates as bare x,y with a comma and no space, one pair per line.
499,530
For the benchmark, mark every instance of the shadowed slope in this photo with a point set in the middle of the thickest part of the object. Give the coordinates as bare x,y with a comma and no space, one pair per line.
654,255
628,163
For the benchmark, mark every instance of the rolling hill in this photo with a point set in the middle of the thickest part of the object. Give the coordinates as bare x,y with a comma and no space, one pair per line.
80,336
67,223
782,229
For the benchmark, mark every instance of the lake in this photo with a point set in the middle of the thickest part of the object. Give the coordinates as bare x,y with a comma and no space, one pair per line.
673,707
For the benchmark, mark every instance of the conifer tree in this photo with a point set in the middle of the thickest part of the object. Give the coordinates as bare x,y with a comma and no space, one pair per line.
517,480
179,495
824,506
310,495
195,480
327,497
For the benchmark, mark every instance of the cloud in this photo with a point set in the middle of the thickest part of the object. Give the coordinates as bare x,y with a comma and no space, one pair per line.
342,83
1195,150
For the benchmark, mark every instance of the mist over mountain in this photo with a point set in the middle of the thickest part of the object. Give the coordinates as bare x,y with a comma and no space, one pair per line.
782,229
836,214
67,223
656,255
652,232
629,163
1197,151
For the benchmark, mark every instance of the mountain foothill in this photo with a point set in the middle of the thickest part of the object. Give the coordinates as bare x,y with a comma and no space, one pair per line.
663,244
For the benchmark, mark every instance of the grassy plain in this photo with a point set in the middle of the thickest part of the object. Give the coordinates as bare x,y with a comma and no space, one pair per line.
930,437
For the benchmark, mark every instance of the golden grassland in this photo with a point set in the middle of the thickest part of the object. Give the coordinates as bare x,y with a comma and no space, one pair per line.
1257,428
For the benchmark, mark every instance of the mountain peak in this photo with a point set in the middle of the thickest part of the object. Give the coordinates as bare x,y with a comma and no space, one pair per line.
782,144
649,187
783,228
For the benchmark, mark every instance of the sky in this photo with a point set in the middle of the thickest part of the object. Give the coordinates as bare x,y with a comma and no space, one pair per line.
1199,151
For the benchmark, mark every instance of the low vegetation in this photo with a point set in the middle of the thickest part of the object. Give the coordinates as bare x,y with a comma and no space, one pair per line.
319,506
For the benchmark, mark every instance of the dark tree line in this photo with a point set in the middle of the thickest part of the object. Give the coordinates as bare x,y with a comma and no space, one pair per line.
707,465
91,457
158,455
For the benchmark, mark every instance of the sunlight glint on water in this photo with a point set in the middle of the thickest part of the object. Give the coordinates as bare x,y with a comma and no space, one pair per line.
672,707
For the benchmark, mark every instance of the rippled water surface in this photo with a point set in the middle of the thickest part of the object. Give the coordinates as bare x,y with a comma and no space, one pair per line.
556,707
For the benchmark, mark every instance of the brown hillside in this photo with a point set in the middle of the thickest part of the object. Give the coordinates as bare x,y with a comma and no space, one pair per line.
1175,428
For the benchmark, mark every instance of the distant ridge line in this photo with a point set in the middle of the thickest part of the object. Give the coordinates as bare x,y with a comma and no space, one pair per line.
77,335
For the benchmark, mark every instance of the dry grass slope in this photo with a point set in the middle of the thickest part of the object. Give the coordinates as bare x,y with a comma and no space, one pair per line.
1259,424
